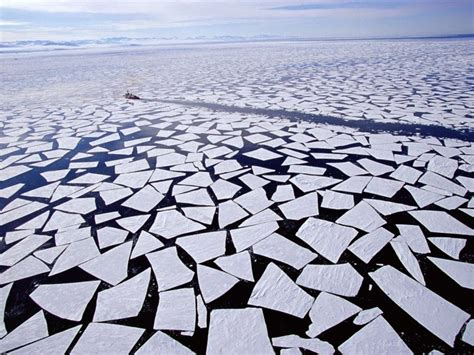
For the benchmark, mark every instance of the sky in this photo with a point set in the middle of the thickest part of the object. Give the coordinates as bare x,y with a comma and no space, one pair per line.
95,19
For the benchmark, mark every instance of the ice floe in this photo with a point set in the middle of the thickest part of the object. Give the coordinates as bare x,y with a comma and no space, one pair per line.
275,290
340,279
176,310
418,302
238,331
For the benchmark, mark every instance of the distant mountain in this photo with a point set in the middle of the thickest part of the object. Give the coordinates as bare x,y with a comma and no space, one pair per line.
48,45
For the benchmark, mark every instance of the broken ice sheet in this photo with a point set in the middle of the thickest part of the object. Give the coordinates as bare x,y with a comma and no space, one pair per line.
200,179
230,212
414,237
199,197
146,243
443,166
75,254
336,200
55,344
340,279
214,283
387,208
61,220
283,193
301,207
441,222
200,214
377,337
78,205
103,338
34,328
238,331
408,260
163,344
176,310
468,335
279,248
4,293
275,290
28,267
450,246
254,201
242,238
327,311
461,272
67,300
109,236
362,216
294,341
224,190
133,223
170,224
419,302
124,300
375,168
144,200
238,265
168,268
308,183
21,212
355,184
111,266
261,217
134,180
22,249
367,315
406,174
71,236
367,246
348,168
204,246
327,238
383,187
262,154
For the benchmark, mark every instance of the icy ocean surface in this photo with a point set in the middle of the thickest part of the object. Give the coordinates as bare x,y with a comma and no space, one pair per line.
280,197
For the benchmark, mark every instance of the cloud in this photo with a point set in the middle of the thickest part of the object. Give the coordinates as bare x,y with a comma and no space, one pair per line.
228,17
338,5
12,23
